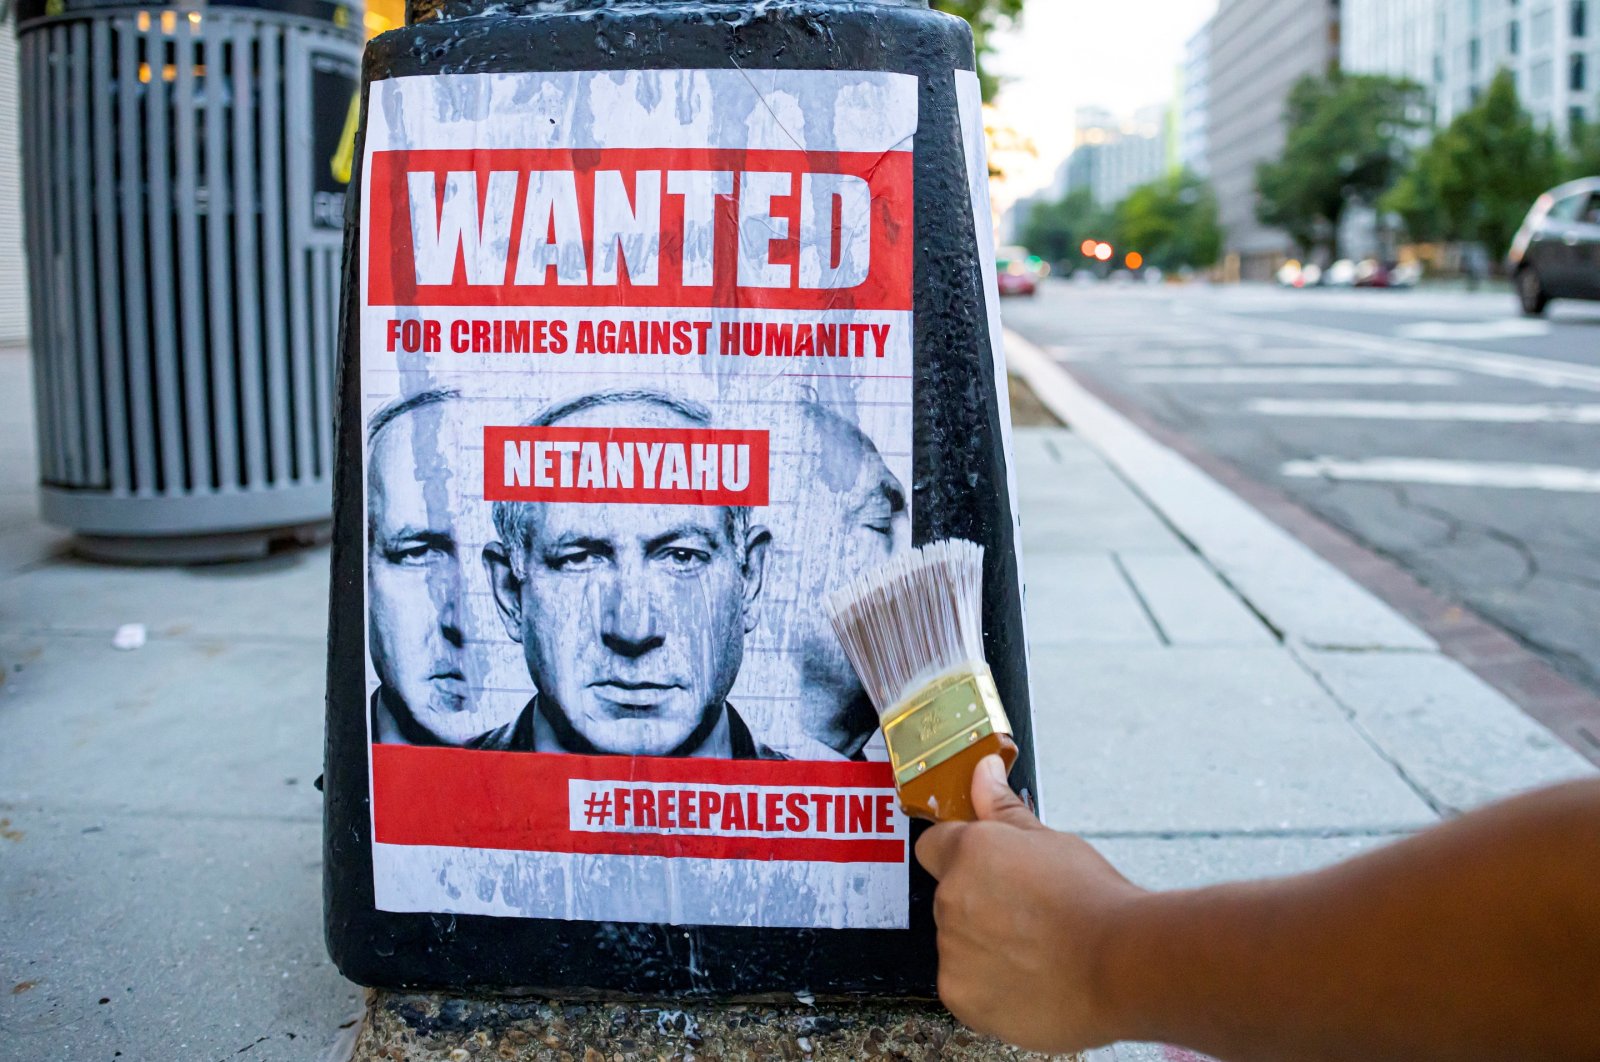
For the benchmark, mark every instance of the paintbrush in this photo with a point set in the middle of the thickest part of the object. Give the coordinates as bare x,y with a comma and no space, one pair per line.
913,631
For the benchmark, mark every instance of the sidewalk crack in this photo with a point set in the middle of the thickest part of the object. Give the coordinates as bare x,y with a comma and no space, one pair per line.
1144,605
1437,806
1188,543
1458,524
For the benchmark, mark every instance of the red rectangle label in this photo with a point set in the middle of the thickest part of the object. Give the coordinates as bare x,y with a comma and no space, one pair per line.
640,227
637,466
609,805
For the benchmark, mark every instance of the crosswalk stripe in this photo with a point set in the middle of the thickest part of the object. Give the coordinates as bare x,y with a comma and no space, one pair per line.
1280,359
1549,372
1506,476
1297,375
1467,331
1481,412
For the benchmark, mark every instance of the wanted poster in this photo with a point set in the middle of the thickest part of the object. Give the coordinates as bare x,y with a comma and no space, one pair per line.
636,371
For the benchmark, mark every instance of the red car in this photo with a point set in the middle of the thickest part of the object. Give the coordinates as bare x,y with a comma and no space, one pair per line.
1019,272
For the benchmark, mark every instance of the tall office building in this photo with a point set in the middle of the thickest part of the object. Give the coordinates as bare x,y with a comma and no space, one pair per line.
1137,156
1112,156
1399,38
1194,98
1258,49
1396,37
1455,48
1092,129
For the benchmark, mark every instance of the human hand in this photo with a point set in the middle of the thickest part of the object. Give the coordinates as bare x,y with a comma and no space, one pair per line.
1023,915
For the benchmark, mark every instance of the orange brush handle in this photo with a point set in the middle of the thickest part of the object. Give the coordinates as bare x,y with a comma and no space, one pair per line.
944,793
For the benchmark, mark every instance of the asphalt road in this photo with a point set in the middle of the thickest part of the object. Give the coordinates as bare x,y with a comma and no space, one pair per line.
1441,429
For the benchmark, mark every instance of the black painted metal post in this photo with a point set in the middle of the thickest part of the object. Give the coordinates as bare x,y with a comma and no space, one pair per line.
566,88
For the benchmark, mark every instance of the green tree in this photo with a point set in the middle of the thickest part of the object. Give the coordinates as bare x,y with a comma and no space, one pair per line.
1583,159
1347,141
1415,200
1475,181
1172,222
1055,230
986,16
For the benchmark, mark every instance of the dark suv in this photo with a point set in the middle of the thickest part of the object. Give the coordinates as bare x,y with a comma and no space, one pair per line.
1556,254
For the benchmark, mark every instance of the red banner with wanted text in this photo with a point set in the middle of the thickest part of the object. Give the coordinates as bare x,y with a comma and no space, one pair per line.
641,227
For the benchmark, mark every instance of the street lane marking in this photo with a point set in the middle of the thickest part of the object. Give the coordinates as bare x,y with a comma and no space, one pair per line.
1479,412
1563,478
1287,359
1466,331
1298,375
1300,355
1544,371
1080,357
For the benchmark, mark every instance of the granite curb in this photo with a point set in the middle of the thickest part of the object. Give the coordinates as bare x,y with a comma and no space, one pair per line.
405,1027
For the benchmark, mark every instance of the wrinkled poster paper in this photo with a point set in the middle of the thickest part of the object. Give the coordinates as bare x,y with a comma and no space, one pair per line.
636,367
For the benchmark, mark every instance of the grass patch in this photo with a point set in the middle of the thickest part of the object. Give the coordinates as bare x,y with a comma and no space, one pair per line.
1026,409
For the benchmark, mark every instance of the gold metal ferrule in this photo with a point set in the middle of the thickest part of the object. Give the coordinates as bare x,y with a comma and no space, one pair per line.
942,719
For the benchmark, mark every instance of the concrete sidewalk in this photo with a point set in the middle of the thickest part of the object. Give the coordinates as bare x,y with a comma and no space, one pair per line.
1212,701
160,836
1225,702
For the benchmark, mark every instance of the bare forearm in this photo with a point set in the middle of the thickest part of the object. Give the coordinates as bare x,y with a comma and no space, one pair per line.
1476,941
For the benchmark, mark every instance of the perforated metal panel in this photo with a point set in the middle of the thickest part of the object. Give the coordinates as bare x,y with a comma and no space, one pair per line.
13,286
184,265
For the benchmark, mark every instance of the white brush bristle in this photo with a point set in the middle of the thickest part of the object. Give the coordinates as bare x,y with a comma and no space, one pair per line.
910,621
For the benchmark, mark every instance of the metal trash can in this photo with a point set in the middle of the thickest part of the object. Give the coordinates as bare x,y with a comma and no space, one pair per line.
184,177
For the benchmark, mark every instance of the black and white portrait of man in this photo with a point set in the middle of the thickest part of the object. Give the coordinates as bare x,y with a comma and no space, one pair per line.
850,516
631,618
416,578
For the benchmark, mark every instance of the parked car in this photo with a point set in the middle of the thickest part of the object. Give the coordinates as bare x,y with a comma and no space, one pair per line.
1342,274
1019,272
1294,275
1556,253
1371,273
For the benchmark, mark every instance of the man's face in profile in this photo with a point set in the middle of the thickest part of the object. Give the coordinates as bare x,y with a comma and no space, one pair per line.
416,581
632,617
852,518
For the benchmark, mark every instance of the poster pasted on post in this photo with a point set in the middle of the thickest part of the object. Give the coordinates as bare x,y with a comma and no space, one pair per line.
636,369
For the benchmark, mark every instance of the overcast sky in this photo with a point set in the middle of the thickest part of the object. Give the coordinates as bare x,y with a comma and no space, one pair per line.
1065,54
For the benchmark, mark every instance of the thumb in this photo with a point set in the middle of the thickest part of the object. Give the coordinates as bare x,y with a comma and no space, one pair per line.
936,848
993,799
